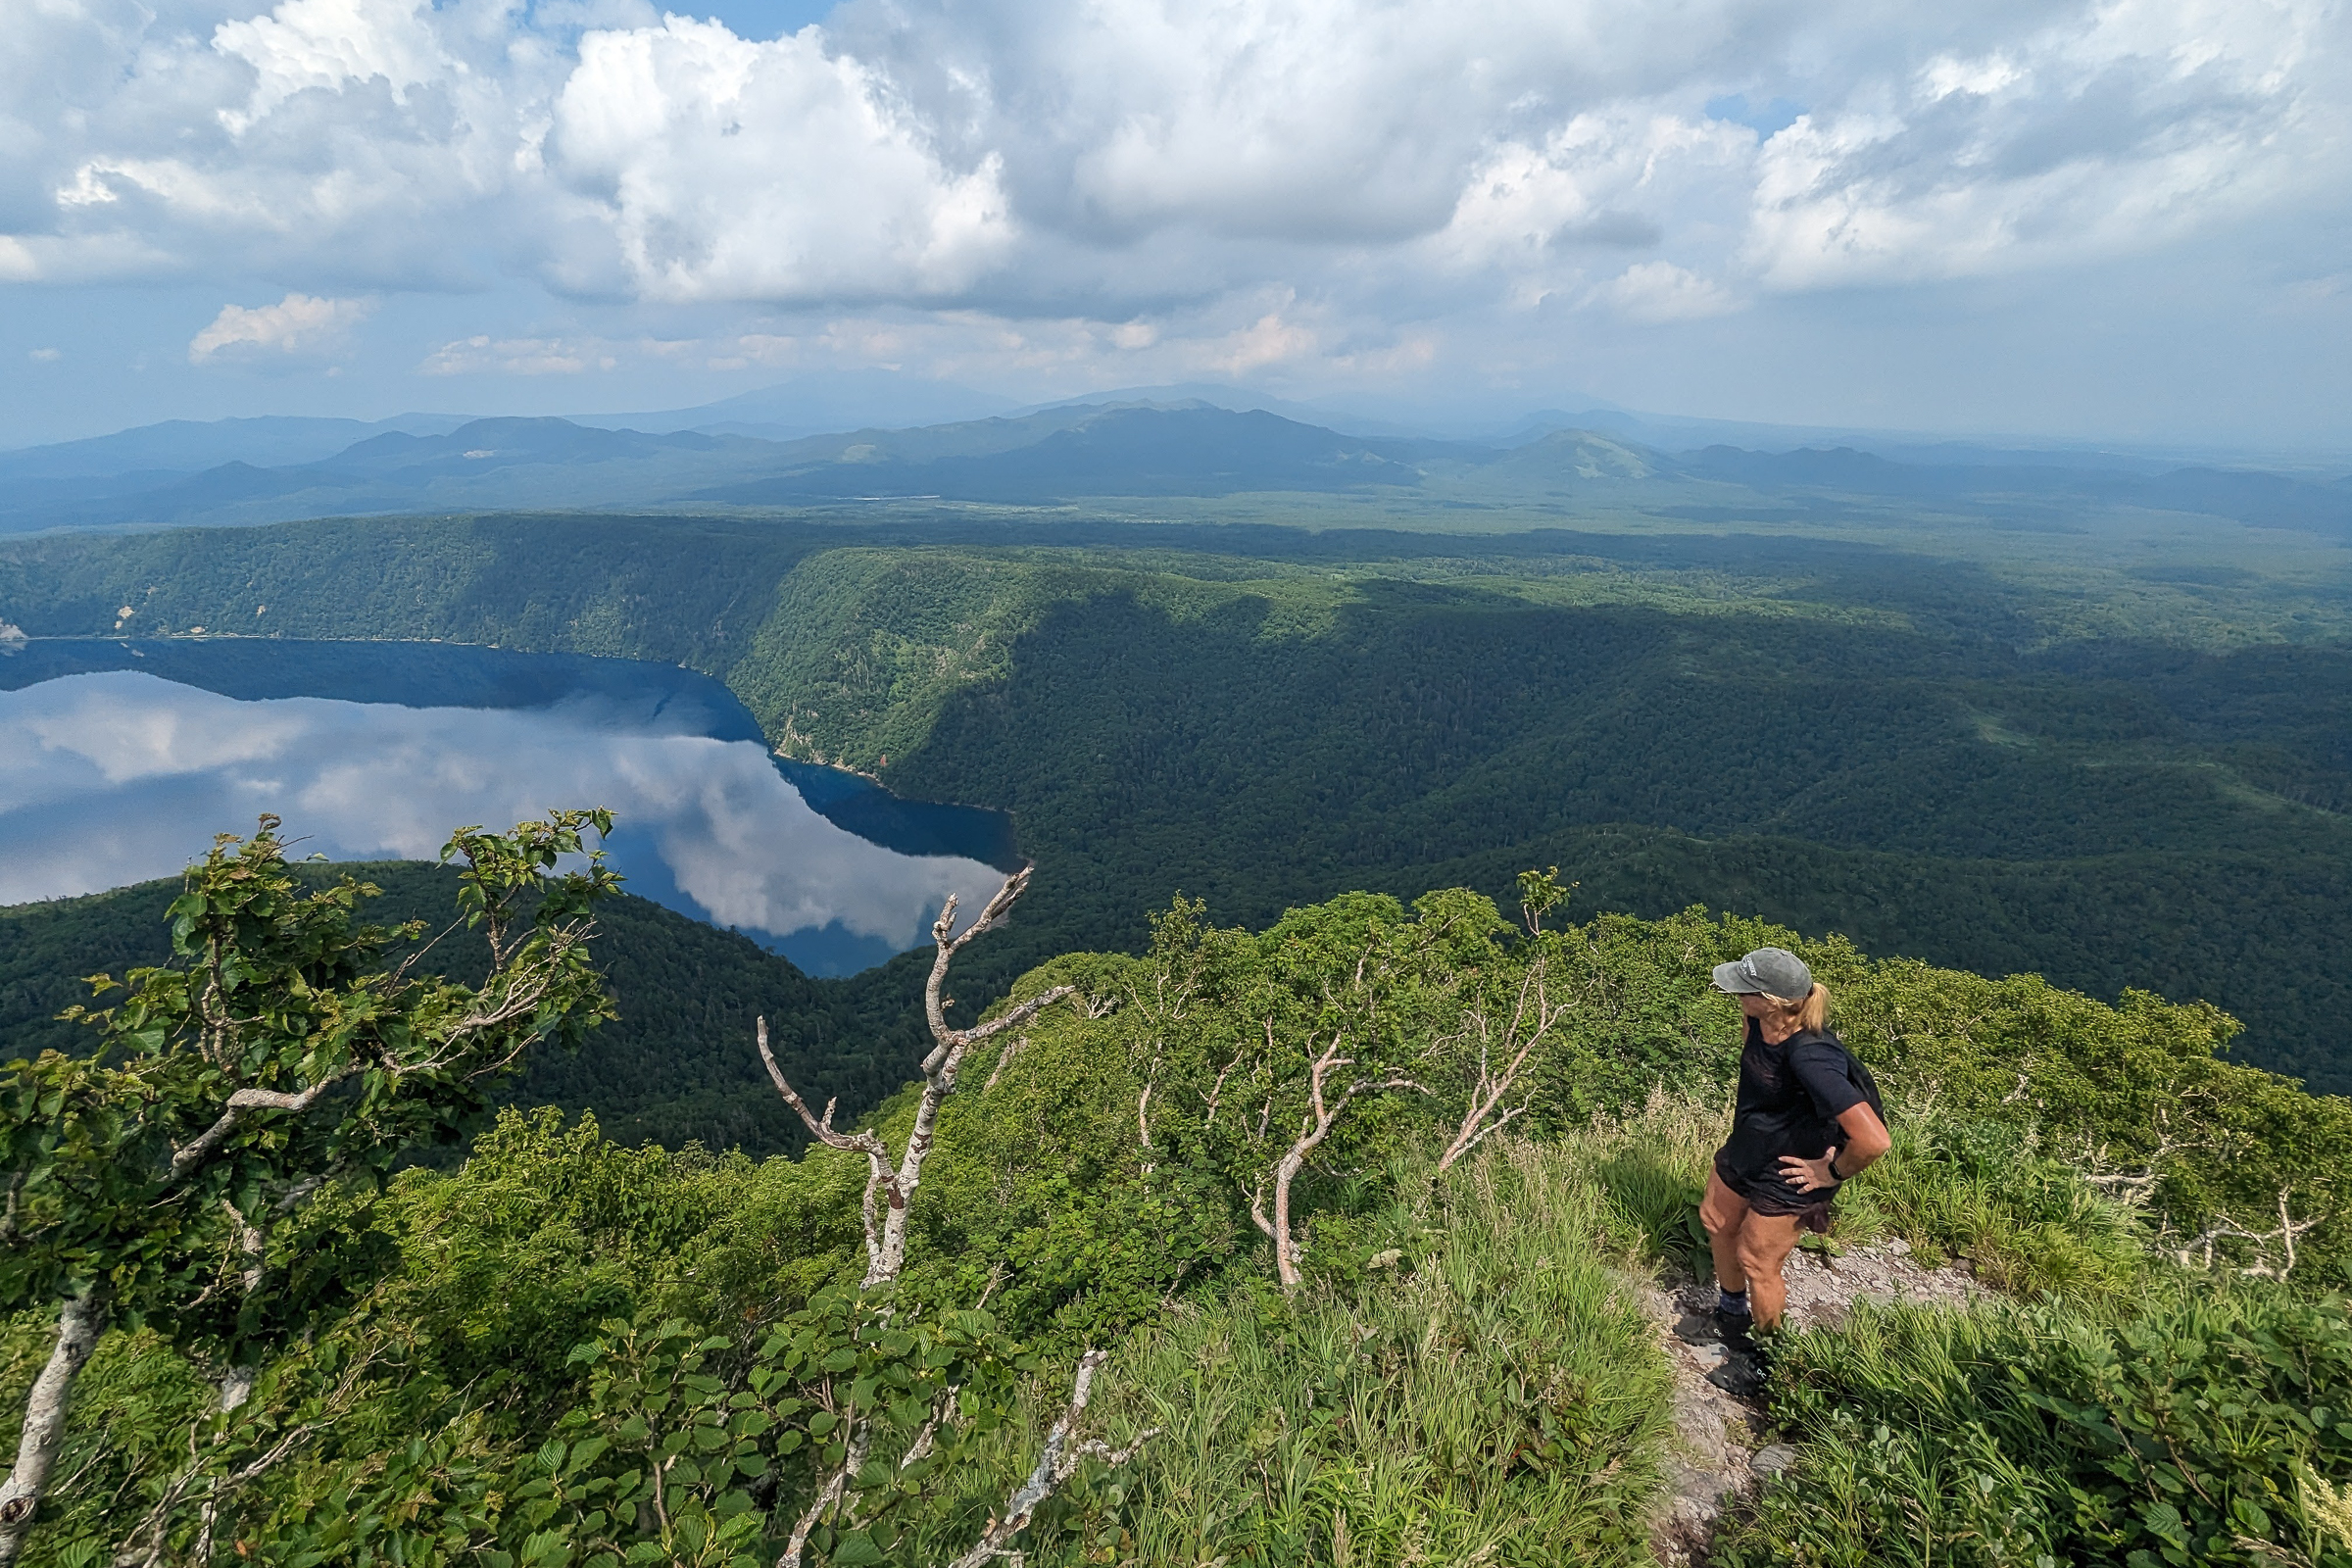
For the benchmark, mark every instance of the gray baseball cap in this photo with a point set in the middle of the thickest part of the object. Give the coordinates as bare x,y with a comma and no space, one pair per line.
1770,971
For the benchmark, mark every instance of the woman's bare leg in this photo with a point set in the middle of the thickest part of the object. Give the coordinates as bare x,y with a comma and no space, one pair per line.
1725,1214
1764,1244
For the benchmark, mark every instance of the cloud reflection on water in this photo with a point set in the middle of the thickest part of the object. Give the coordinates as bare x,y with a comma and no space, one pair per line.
117,777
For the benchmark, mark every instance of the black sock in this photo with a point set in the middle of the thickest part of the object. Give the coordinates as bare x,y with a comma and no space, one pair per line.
1732,1302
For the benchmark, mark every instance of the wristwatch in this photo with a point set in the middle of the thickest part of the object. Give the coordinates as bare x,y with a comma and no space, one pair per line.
1833,1164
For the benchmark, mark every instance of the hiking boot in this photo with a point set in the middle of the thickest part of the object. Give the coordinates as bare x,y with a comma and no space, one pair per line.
1734,1330
1742,1375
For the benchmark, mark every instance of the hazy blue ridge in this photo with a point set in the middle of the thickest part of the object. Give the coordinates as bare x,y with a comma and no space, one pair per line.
283,469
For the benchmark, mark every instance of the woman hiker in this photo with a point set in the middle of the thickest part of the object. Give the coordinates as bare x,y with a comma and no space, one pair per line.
1808,1116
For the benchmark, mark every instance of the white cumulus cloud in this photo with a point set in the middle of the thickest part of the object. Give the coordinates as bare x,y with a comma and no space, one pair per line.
326,43
299,323
518,356
1238,184
1661,291
726,169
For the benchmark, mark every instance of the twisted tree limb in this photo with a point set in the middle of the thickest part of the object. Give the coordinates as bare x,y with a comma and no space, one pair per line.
890,1184
80,1322
1531,1022
1056,1463
1323,1113
890,1188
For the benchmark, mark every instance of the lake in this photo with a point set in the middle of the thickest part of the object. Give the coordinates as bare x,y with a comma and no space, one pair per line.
120,759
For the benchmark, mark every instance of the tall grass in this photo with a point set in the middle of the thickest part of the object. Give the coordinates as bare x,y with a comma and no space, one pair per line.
2027,1224
1651,1167
1493,1395
2208,1424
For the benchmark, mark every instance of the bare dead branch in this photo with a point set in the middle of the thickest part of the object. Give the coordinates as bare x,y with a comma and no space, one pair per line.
1056,1463
151,1531
891,1184
921,1448
2134,1185
869,1143
2199,1252
942,1066
832,1493
1533,1019
826,1497
1218,1088
822,1127
252,1243
949,944
207,1143
1459,1150
1322,1115
1258,1208
1004,1060
81,1320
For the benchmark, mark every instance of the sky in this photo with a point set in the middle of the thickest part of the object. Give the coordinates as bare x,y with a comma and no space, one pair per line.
2129,219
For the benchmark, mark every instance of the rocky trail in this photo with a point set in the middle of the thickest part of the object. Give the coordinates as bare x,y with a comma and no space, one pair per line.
1722,1449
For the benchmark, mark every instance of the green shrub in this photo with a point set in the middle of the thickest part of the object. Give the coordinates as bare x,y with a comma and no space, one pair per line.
2204,1427
1980,1190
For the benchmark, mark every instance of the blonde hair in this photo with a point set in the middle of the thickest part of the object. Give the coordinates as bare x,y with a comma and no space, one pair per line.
1810,1012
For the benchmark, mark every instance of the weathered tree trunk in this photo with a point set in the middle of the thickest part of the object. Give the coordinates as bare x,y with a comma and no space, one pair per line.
1286,1250
236,1384
1323,1113
1530,1024
80,1322
1059,1461
889,1187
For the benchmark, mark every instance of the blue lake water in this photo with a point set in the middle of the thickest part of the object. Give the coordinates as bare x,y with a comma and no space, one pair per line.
120,761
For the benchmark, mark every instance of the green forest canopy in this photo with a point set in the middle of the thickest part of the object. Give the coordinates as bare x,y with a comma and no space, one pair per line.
2132,775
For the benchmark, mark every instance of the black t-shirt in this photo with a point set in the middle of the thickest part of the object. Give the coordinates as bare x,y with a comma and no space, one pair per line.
1791,1096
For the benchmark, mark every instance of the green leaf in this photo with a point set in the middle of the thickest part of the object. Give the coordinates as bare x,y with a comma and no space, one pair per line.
857,1550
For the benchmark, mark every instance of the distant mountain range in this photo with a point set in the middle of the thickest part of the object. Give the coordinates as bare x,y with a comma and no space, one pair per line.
811,405
263,470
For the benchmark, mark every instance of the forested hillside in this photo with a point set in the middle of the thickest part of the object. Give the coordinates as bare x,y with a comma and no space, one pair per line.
1441,1348
674,1066
1959,802
2124,775
1137,1315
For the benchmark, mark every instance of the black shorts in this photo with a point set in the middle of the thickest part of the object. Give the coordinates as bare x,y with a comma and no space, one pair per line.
1812,1209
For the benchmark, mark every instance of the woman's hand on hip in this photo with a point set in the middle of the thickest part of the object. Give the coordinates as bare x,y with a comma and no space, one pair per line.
1808,1175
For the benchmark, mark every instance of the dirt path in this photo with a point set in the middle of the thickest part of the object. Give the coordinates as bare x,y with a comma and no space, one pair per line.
1721,1452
